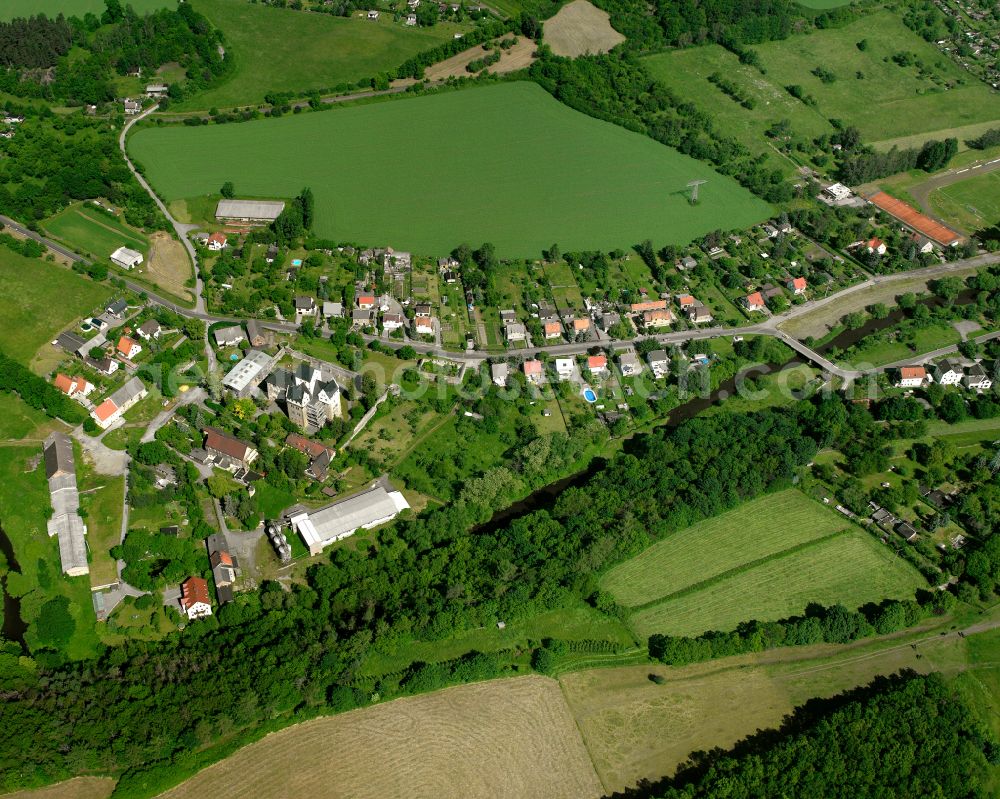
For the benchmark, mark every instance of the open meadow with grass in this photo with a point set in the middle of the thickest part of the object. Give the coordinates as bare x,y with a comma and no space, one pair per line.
870,90
283,50
93,232
517,168
971,204
511,737
9,9
766,559
48,297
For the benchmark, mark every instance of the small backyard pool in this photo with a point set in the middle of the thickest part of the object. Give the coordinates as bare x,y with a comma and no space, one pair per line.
589,395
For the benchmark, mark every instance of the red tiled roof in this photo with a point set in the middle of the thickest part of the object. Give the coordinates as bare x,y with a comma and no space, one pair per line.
64,384
219,237
225,443
194,589
303,444
798,283
685,300
875,243
649,305
553,327
581,324
219,556
532,367
658,314
105,409
755,299
125,345
913,371
597,362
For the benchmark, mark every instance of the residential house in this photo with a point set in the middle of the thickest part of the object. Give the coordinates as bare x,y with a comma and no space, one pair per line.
156,90
393,321
565,368
333,310
116,405
609,320
73,386
796,285
373,15
424,325
911,377
132,107
685,301
446,264
699,314
305,308
659,363
686,263
366,302
149,330
976,378
581,327
216,242
923,244
648,305
319,455
754,302
117,308
194,598
629,363
256,334
362,318
227,451
128,348
508,316
223,574
229,336
770,230
659,317
515,331
311,398
71,343
906,531
411,19
422,309
107,366
597,365
499,372
126,258
533,371
875,245
552,330
948,372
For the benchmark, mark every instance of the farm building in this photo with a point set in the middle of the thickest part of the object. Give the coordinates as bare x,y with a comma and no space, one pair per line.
260,211
229,336
65,522
115,406
194,598
322,527
126,258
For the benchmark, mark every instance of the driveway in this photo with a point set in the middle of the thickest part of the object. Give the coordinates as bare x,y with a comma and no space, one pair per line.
192,395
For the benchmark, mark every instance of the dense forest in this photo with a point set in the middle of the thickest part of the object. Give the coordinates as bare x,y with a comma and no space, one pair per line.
34,60
903,736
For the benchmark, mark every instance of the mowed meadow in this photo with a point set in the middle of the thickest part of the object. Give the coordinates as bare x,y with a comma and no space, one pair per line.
507,164
9,9
766,559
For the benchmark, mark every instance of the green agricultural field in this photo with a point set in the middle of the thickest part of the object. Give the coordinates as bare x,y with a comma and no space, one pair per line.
93,232
715,546
280,50
48,297
886,100
516,168
851,568
19,422
686,73
26,8
972,204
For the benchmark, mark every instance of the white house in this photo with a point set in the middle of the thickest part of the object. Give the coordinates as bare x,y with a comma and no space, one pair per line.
424,326
216,242
126,258
515,331
499,372
629,363
393,321
565,367
948,373
149,330
658,362
194,599
912,377
976,378
373,14
128,348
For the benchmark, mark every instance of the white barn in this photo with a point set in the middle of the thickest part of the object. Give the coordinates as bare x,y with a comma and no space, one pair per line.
320,528
126,258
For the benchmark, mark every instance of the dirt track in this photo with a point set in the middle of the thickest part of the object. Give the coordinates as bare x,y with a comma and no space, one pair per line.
517,57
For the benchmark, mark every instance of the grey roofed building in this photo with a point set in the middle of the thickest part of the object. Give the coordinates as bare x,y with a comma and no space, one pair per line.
97,341
65,522
500,372
304,303
249,210
70,342
248,373
256,333
127,395
322,527
333,310
657,356
609,320
229,336
116,308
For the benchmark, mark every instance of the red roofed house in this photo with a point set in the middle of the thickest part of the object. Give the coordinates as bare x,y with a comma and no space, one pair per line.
876,245
366,302
128,348
597,364
228,449
552,330
105,413
217,241
70,386
533,371
194,598
754,302
424,325
797,285
686,301
912,377
658,317
581,325
649,305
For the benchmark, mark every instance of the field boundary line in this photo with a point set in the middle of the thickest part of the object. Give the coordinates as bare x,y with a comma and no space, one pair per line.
100,224
742,568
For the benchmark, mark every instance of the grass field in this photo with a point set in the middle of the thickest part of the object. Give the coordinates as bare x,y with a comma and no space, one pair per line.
26,8
48,297
504,738
636,730
516,168
715,546
971,204
78,788
102,499
766,559
280,50
889,100
879,351
93,233
19,422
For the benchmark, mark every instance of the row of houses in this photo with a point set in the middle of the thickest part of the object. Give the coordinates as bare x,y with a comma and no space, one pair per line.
597,366
948,372
118,403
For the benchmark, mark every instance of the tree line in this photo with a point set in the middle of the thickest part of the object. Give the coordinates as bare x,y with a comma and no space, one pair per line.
37,392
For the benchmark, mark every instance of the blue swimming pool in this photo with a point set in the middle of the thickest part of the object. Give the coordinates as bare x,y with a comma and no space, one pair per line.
589,395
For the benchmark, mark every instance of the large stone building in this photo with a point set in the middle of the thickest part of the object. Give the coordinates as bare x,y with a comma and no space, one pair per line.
311,399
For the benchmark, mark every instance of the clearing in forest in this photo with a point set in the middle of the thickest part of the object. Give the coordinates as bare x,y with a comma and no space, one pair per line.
580,28
505,163
504,738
